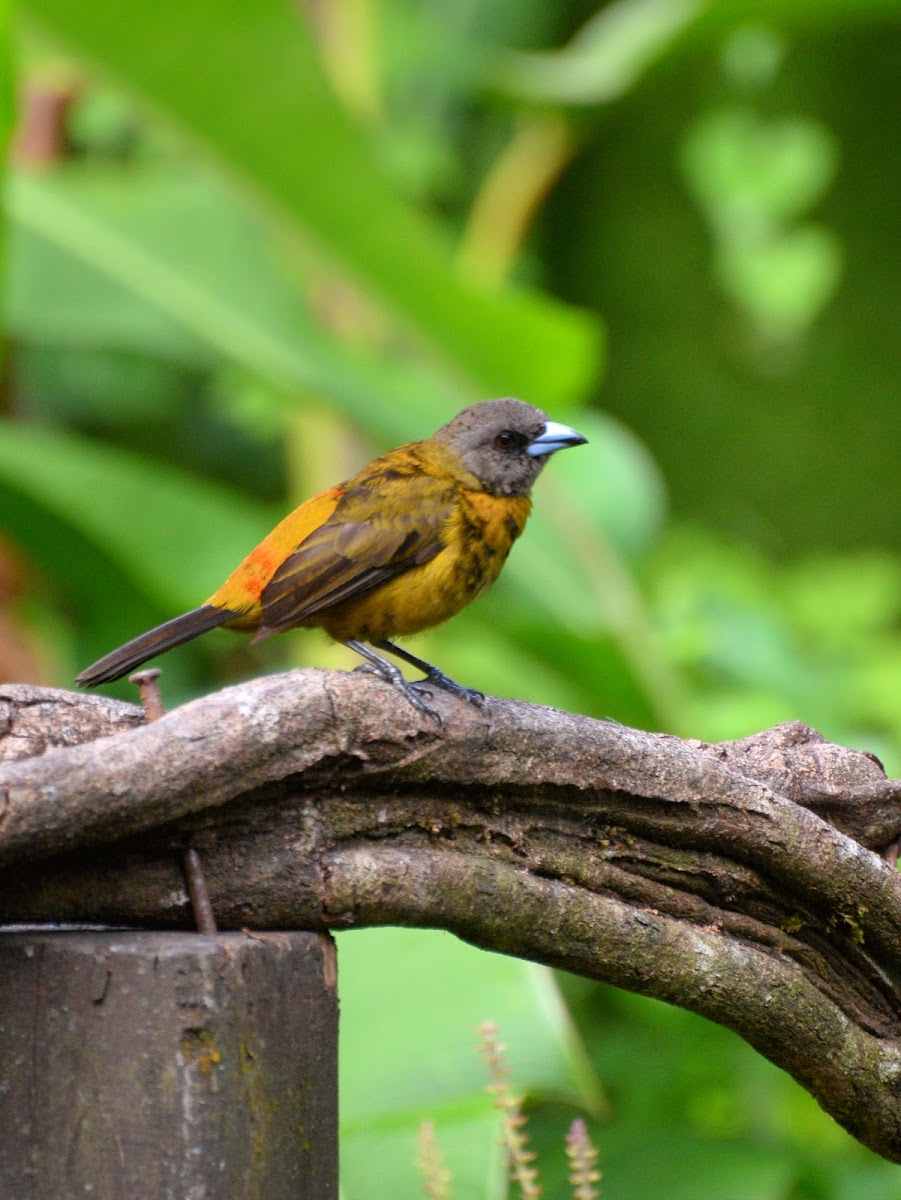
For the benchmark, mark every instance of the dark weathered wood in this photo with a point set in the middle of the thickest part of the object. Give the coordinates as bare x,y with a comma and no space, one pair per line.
163,1066
34,720
737,880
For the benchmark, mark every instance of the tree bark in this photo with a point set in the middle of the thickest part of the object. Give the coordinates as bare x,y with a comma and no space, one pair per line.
738,880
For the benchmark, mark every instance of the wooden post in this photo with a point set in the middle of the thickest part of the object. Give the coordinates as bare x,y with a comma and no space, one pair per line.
168,1066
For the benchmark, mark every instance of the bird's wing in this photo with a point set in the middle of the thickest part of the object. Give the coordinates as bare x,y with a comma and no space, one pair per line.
372,536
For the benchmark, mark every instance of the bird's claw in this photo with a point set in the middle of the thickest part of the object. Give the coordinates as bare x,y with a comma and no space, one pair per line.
368,669
418,703
408,690
414,692
438,679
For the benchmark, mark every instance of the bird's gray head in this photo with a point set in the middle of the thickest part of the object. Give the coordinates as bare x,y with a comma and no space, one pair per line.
505,443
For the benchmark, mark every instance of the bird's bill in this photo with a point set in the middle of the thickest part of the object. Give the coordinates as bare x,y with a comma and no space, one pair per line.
552,438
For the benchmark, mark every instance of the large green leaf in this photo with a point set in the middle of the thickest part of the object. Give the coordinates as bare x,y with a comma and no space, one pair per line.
124,260
246,82
171,263
593,507
174,535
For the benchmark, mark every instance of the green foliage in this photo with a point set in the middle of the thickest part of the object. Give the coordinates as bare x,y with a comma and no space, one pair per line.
696,1113
333,189
763,644
420,1062
752,178
256,256
604,59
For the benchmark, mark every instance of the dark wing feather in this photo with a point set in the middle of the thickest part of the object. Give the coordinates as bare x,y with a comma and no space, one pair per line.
359,547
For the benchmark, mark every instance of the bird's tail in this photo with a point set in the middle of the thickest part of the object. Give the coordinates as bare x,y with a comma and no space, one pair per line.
182,629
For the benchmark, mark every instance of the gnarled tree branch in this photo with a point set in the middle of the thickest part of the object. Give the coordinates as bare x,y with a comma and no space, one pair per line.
738,880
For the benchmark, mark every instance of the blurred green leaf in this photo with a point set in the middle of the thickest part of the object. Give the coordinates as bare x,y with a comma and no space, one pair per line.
816,641
7,110
752,177
169,263
604,59
174,535
752,56
615,482
200,64
700,1168
91,386
55,297
98,602
426,993
467,1137
616,46
784,282
749,173
593,506
179,251
141,259
819,596
727,1122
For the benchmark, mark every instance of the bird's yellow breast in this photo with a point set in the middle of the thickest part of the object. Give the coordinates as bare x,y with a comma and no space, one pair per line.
477,538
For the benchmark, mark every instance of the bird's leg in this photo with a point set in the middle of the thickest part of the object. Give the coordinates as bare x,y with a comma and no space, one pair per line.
392,674
434,676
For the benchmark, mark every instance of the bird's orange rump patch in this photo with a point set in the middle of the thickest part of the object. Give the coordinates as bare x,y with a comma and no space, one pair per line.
242,590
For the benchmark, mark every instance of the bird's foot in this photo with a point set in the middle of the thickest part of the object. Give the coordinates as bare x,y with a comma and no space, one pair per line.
438,679
393,675
433,677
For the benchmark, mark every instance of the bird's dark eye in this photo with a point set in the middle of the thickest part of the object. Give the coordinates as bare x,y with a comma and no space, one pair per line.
505,440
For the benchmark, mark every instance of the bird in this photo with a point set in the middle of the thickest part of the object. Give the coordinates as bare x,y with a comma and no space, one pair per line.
400,547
